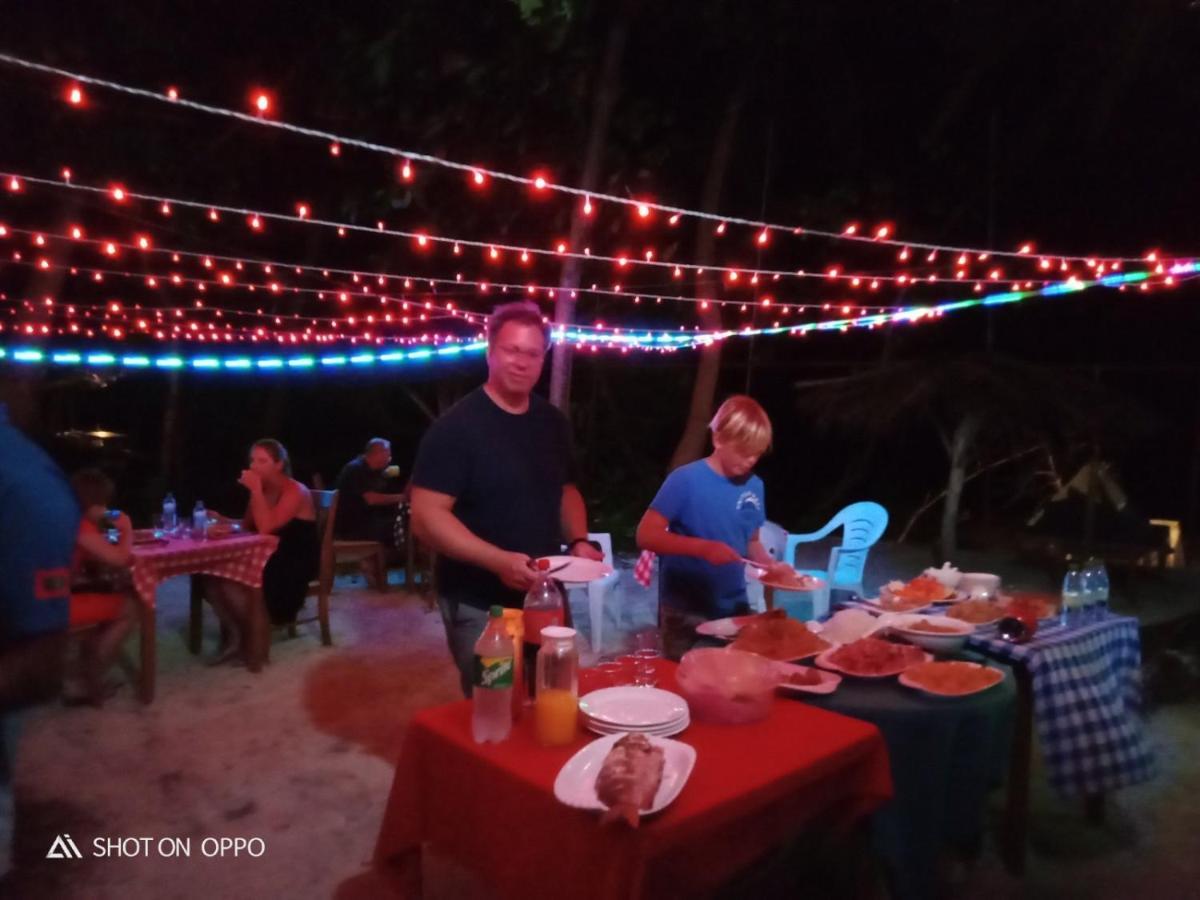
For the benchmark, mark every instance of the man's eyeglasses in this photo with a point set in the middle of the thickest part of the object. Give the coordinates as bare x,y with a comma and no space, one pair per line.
513,352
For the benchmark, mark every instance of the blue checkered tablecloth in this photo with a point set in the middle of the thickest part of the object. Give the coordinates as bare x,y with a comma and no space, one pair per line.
1086,701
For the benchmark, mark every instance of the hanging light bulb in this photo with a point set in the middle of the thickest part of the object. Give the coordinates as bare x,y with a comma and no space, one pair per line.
261,102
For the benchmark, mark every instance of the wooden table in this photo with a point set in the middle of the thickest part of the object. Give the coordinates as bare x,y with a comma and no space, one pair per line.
1078,688
240,558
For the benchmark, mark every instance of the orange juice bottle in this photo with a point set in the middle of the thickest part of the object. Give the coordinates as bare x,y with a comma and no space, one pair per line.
556,706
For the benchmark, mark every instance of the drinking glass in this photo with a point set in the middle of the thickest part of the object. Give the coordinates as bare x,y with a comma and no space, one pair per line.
646,651
611,672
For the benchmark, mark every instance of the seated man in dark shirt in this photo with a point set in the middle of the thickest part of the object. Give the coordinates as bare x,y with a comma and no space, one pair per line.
369,496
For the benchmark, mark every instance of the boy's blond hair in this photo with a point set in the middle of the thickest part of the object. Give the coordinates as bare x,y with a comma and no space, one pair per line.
743,423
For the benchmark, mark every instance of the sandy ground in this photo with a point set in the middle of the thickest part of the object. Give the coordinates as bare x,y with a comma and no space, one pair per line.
300,757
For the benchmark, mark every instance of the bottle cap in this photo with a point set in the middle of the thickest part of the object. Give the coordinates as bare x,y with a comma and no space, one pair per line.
496,612
557,632
542,565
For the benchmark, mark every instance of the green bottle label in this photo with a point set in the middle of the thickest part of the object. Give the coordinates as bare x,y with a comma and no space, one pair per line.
493,672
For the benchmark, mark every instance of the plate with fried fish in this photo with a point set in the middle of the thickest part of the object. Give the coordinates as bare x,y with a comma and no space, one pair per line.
625,776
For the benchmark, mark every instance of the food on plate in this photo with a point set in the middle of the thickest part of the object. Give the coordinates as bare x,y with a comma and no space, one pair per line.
1031,605
775,636
783,576
955,678
927,627
872,656
889,603
947,575
804,676
924,588
629,778
848,625
977,612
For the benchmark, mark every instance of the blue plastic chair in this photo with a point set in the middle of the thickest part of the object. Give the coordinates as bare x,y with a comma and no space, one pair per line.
863,524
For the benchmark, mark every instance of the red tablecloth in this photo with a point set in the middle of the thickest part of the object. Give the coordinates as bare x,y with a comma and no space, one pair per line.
239,559
491,807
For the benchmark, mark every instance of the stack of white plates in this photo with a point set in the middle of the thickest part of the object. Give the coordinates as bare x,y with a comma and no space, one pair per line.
644,710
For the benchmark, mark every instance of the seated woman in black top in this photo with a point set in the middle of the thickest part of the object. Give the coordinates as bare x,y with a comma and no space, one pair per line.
282,506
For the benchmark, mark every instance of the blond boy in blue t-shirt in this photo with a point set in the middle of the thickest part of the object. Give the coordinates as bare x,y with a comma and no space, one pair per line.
704,522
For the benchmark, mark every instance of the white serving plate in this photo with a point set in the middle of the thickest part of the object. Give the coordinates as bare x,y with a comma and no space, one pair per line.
633,707
576,782
577,570
943,695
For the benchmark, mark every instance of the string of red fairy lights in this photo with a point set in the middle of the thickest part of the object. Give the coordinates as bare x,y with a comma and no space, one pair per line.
1055,274
263,104
367,284
617,336
496,252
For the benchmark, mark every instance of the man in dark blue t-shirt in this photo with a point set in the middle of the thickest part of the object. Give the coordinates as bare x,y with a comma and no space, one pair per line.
494,485
370,496
39,517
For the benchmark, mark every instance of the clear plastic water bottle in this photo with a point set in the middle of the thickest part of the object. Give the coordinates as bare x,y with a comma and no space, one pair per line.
1087,578
492,684
170,516
199,520
1100,589
1072,595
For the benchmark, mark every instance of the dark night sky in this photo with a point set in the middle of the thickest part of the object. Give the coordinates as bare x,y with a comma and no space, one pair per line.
1072,124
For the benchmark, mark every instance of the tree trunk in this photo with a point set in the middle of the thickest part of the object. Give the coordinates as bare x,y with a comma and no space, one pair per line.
607,88
169,440
704,387
960,447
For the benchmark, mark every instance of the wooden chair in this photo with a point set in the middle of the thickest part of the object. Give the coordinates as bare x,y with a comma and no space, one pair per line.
333,552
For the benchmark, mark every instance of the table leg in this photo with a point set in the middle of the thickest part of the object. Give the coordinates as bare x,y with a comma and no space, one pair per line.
409,562
1016,811
259,639
196,597
149,652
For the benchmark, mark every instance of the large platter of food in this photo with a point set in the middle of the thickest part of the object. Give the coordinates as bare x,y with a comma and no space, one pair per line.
780,638
872,658
955,678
